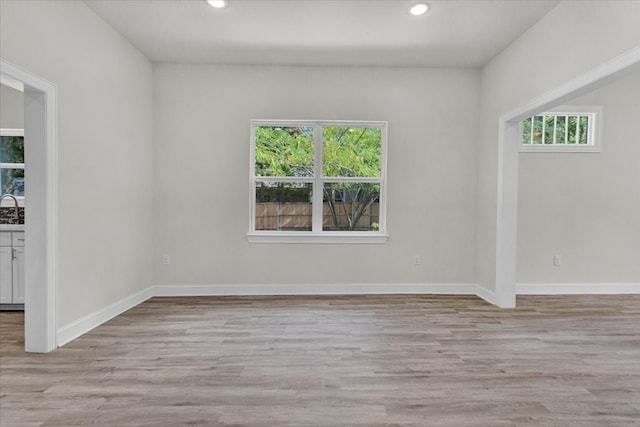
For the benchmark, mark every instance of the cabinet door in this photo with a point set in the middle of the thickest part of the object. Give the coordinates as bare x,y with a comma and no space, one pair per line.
5,238
17,238
18,275
6,287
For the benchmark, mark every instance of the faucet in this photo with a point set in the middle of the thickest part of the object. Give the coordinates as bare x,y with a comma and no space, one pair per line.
15,202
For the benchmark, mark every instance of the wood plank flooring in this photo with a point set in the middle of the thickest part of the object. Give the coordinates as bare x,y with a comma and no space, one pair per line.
332,361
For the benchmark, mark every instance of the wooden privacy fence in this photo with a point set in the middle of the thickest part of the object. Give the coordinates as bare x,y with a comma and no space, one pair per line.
297,216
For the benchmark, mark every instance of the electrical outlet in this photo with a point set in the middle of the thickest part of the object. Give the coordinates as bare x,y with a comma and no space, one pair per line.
166,259
416,260
557,260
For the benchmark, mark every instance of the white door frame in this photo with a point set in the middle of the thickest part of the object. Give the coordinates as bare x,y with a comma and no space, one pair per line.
509,140
41,207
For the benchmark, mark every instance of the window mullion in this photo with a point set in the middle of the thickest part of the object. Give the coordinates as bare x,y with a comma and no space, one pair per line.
299,179
316,226
333,179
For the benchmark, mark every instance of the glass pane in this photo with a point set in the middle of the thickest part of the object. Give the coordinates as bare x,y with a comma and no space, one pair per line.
351,151
283,206
560,129
11,149
351,206
584,129
548,129
284,151
12,181
537,130
571,129
526,131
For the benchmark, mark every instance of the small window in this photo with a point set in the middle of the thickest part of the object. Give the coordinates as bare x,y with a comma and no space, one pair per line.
564,129
12,162
317,181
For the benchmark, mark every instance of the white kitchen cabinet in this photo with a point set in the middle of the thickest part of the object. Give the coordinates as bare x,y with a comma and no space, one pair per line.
6,275
12,267
18,275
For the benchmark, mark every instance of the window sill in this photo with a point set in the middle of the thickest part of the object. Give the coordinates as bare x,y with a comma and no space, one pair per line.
550,148
318,238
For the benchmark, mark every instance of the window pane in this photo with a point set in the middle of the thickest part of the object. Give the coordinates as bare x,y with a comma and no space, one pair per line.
12,181
584,129
11,149
560,132
537,130
526,131
284,151
571,129
283,206
351,207
548,129
351,151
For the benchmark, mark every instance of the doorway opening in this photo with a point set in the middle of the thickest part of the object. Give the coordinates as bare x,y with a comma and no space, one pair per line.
41,229
508,162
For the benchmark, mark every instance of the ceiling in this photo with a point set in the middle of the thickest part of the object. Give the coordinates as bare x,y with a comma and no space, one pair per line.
453,33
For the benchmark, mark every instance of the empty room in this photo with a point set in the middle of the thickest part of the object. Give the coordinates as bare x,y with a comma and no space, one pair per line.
319,213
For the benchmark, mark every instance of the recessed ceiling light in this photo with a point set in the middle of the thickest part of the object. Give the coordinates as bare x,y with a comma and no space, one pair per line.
419,9
219,4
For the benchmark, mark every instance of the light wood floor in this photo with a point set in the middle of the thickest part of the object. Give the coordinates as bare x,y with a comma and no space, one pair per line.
330,361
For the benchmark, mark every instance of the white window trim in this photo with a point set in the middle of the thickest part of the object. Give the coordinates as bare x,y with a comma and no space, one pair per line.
319,237
594,143
7,202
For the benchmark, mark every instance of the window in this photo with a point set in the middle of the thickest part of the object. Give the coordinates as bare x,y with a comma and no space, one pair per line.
564,129
12,162
317,181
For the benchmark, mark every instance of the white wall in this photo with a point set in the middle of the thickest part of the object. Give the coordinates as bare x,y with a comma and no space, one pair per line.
11,108
572,39
105,148
584,206
201,139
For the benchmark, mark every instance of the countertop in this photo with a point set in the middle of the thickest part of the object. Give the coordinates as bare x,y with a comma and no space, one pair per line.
11,227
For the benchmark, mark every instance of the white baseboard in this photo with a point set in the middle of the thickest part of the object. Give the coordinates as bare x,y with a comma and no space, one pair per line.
577,288
315,289
83,325
486,294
